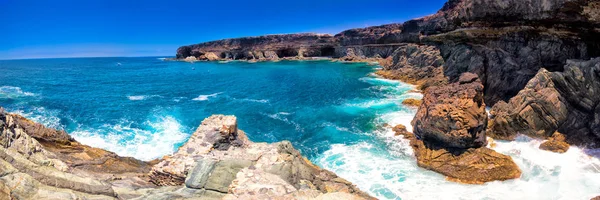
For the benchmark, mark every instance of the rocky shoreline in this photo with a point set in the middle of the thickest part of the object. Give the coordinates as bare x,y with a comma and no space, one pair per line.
534,61
217,162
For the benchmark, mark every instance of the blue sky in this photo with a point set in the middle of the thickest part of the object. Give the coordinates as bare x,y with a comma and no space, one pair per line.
82,28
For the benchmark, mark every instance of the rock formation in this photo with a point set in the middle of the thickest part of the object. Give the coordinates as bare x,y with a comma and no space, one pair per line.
504,42
566,101
412,102
453,115
556,143
449,135
218,157
218,162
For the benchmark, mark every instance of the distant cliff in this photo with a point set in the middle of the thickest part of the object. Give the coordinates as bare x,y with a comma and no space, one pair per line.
514,39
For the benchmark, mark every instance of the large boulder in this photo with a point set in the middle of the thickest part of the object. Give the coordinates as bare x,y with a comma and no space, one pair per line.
453,115
471,166
219,158
556,144
564,101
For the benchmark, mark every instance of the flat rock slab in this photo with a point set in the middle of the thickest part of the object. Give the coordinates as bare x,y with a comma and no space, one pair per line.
224,173
198,176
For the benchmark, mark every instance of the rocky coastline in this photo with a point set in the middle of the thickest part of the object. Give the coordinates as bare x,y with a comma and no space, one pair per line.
534,60
535,63
217,162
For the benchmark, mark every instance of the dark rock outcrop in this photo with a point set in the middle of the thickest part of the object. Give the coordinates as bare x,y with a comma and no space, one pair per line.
416,64
564,101
454,115
270,47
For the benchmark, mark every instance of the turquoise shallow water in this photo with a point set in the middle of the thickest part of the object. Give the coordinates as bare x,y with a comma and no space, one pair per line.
146,107
332,112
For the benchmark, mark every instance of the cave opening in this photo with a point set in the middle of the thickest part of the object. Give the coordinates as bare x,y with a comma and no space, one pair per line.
328,51
287,52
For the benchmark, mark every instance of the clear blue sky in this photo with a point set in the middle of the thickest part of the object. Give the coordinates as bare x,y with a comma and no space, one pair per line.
82,28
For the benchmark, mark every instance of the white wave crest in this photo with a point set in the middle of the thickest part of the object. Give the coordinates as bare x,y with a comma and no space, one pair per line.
164,134
13,92
141,97
47,117
256,100
546,175
206,97
281,117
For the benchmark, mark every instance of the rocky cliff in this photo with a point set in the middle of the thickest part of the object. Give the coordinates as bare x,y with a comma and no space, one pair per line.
504,42
450,134
567,101
218,162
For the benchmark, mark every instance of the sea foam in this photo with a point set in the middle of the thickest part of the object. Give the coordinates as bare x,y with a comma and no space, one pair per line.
159,137
141,97
206,97
12,92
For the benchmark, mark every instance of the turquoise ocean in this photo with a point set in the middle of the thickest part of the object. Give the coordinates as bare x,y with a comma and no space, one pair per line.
334,113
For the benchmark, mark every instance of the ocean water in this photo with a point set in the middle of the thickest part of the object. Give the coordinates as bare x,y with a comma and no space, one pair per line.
332,112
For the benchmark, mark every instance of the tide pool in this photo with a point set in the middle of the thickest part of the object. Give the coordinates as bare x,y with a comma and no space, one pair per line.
332,112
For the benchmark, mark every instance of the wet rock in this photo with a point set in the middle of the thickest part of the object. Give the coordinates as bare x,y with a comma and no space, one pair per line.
556,144
401,130
454,115
472,165
412,102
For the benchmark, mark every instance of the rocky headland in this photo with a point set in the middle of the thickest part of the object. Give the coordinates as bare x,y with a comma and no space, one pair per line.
218,162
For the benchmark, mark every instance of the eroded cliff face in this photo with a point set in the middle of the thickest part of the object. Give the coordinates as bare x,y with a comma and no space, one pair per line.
567,102
218,162
504,42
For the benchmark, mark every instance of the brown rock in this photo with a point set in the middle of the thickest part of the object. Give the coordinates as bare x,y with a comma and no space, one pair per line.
453,115
401,130
211,56
412,102
556,143
472,166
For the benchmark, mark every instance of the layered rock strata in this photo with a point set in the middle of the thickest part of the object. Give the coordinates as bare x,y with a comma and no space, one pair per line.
567,102
504,42
219,157
218,162
450,135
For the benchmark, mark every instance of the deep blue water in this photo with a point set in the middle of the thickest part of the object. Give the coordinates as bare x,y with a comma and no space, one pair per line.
332,112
